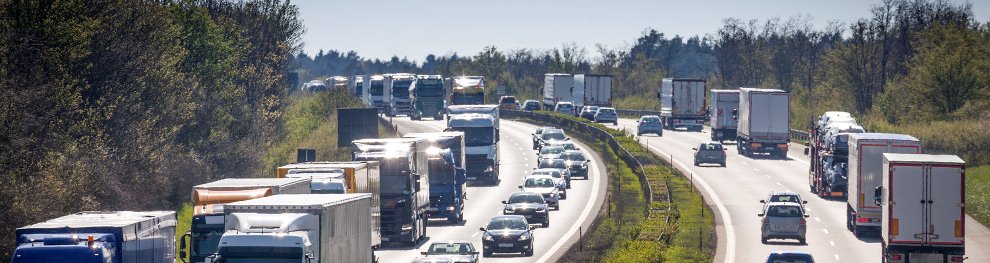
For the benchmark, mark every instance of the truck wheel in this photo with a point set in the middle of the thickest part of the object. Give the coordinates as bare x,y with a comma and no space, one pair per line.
485,253
802,241
849,219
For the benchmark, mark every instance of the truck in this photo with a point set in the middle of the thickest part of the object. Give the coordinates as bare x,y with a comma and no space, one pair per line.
925,197
374,87
352,177
337,82
427,97
208,204
326,228
828,148
480,125
723,103
557,87
396,94
592,90
447,174
467,90
866,173
356,85
404,186
682,103
99,237
764,122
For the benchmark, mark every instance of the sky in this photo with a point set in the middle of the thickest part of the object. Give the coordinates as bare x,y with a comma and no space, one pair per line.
414,29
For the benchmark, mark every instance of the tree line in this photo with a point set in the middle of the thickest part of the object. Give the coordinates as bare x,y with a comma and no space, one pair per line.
125,105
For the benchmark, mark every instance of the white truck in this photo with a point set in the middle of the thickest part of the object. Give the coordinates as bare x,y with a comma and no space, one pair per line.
764,122
723,103
592,90
924,197
682,103
325,228
866,173
480,125
374,86
557,87
395,95
355,84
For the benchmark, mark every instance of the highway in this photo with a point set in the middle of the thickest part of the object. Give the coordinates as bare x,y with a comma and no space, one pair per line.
583,202
735,190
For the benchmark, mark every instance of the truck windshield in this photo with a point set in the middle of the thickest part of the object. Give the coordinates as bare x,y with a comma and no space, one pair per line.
395,184
261,254
429,88
401,88
376,88
476,136
206,243
441,175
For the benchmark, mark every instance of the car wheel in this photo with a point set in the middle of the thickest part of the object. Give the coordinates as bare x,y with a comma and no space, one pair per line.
723,164
556,206
763,240
546,223
529,253
696,163
486,253
802,241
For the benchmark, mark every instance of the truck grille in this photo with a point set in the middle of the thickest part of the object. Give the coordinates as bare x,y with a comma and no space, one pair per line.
476,164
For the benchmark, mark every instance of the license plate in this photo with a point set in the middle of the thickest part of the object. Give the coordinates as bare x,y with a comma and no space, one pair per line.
385,239
505,245
784,228
529,216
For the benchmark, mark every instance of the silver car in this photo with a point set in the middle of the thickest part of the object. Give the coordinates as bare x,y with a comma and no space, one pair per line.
783,220
454,251
606,114
549,152
649,124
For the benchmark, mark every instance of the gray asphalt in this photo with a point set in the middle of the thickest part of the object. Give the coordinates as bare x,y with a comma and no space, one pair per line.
734,193
517,157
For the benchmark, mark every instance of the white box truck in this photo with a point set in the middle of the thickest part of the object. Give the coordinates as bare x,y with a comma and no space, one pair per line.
557,87
596,90
924,202
865,174
723,103
682,103
325,228
764,122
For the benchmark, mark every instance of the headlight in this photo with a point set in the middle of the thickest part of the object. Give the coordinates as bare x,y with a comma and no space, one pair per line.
488,237
541,209
524,237
553,194
451,208
508,211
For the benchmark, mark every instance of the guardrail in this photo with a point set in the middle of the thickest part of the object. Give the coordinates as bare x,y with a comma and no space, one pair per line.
800,135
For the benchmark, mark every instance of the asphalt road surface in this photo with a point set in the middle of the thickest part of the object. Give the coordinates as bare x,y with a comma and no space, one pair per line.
583,201
734,192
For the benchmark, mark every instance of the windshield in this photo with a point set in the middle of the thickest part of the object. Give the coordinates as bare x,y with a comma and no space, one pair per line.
573,157
784,198
606,111
538,182
206,243
394,184
450,248
440,175
75,254
552,150
559,164
552,136
591,108
526,198
509,100
551,173
429,88
401,88
476,136
650,119
261,254
711,147
784,211
376,88
506,223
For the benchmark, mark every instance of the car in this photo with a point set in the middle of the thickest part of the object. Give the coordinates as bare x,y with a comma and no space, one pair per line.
455,251
536,136
508,103
565,107
790,257
530,205
549,152
838,179
786,197
559,177
435,259
649,124
783,220
551,136
507,234
557,164
544,185
606,114
588,112
568,145
709,152
532,105
576,163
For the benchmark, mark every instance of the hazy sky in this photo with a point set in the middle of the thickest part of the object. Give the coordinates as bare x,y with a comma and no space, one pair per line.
413,29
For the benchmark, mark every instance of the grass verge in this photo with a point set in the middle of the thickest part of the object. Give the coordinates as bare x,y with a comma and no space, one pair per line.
978,193
184,216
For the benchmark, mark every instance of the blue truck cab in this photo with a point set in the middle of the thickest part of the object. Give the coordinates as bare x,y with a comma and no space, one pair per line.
99,237
447,174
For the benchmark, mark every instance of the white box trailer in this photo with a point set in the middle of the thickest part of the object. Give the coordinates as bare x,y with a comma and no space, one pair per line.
596,90
764,121
327,228
557,87
866,173
924,202
723,103
682,103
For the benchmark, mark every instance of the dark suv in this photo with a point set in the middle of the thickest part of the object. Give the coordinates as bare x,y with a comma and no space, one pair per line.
588,112
576,163
709,152
507,234
530,205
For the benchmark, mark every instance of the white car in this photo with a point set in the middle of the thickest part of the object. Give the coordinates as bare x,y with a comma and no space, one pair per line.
606,114
545,186
565,107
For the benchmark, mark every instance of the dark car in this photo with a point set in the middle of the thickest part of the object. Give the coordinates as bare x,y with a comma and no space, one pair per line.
576,163
588,112
550,136
507,234
709,152
530,205
538,134
532,105
790,257
454,251
559,164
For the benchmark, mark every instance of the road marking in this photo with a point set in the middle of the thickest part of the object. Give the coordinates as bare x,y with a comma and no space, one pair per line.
475,234
754,169
778,183
825,230
817,219
767,175
830,242
836,257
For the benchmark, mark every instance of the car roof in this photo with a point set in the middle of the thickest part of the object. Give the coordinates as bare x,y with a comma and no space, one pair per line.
450,241
524,193
538,176
517,217
553,160
545,170
574,151
783,193
783,204
790,253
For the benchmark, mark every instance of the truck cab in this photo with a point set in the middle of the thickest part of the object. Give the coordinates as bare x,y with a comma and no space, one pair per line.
481,136
396,94
427,97
405,189
373,94
447,174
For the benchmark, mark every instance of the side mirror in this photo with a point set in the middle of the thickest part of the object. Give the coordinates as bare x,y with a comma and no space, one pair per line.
423,253
505,202
759,215
805,202
567,139
520,187
763,201
807,151
182,247
878,195
482,229
532,227
475,252
807,216
587,161
694,149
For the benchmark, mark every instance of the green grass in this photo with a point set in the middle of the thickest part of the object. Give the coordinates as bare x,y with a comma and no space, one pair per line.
310,121
184,215
978,193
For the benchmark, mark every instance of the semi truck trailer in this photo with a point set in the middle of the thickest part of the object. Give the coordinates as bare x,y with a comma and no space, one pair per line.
404,186
764,122
866,173
682,103
723,103
923,204
592,90
557,87
325,228
447,174
99,237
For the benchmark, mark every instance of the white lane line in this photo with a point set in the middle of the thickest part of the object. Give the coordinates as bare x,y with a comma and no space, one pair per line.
778,183
584,214
754,169
836,257
767,175
475,234
818,219
832,243
825,230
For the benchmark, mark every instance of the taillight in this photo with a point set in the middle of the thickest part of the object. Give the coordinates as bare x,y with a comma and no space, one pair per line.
766,221
804,222
863,220
956,258
896,257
